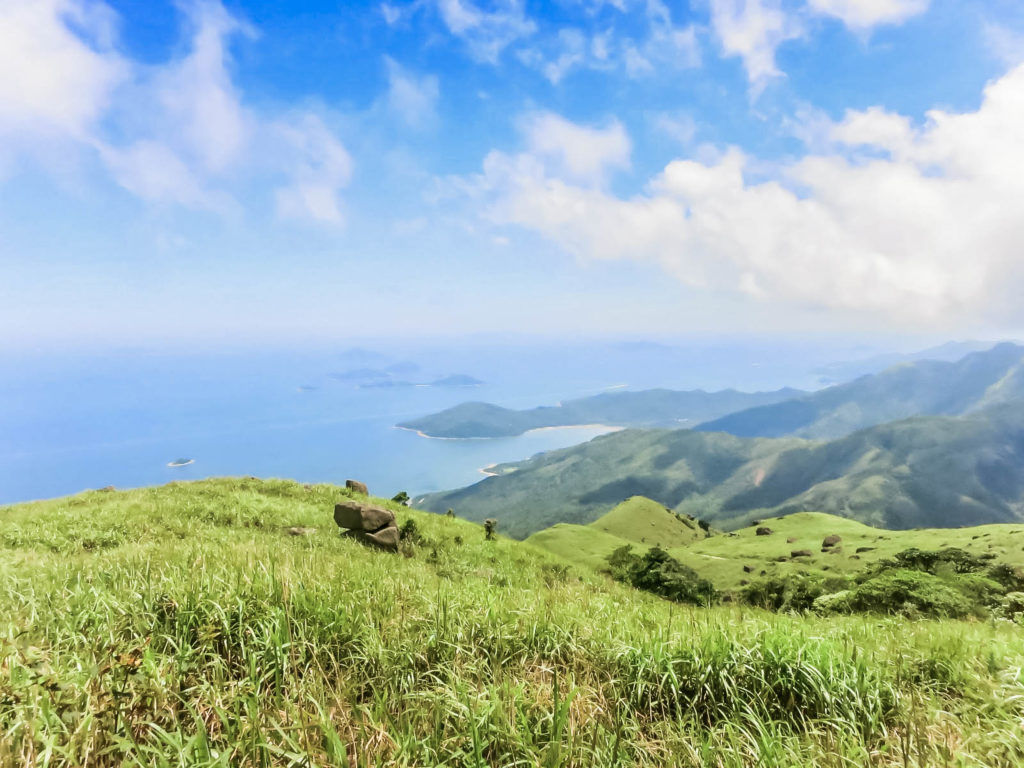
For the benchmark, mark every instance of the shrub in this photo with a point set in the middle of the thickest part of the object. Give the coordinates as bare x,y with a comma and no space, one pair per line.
910,593
791,593
660,573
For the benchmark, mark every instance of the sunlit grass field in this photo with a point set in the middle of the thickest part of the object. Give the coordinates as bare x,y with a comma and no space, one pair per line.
184,626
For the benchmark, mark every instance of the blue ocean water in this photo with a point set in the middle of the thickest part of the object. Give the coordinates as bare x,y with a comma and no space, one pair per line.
76,420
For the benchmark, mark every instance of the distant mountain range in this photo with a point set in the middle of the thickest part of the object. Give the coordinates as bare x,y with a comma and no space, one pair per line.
648,408
975,382
927,471
957,460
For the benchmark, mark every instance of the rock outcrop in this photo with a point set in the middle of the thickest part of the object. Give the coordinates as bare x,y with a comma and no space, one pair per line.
367,522
357,487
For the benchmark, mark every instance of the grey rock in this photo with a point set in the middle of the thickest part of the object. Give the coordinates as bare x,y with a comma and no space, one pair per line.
801,553
385,538
356,487
831,541
362,516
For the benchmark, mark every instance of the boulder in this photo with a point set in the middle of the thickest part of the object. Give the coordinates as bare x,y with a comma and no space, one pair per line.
356,487
801,553
865,549
830,541
764,530
791,540
748,569
361,516
300,531
385,538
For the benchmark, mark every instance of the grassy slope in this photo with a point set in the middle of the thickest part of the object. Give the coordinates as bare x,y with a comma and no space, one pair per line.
651,408
975,382
929,471
637,520
722,558
181,626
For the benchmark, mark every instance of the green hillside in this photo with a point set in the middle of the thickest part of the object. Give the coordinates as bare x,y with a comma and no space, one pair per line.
637,520
649,408
207,624
730,559
975,382
922,472
642,521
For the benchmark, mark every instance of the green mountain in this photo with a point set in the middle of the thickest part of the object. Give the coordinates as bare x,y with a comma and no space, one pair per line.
928,471
972,383
649,408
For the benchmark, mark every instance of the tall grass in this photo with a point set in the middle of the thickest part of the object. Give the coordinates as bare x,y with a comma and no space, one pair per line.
206,636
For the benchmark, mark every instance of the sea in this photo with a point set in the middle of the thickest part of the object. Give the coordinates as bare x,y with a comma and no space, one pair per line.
75,419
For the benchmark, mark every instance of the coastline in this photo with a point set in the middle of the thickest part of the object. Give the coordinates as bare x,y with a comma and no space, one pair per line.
606,428
487,470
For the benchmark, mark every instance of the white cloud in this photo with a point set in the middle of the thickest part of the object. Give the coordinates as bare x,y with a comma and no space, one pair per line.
177,132
662,47
679,126
486,33
865,14
412,98
153,172
197,94
320,166
581,153
54,80
921,223
752,30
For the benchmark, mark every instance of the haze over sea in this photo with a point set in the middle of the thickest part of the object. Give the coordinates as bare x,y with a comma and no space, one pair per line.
88,419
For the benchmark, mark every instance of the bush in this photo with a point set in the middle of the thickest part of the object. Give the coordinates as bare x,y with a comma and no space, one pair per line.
909,593
790,593
660,573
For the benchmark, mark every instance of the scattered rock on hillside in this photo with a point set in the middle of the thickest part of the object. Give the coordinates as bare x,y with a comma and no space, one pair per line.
865,549
831,541
362,516
747,569
300,531
791,540
764,530
367,522
357,487
801,553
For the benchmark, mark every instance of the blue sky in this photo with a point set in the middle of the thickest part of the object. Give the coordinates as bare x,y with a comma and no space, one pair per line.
320,170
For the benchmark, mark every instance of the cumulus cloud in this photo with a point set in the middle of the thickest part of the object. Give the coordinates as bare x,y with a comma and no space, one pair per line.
177,132
752,30
53,80
865,14
921,222
583,154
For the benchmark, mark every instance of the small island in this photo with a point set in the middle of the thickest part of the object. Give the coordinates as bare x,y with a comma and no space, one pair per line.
181,462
